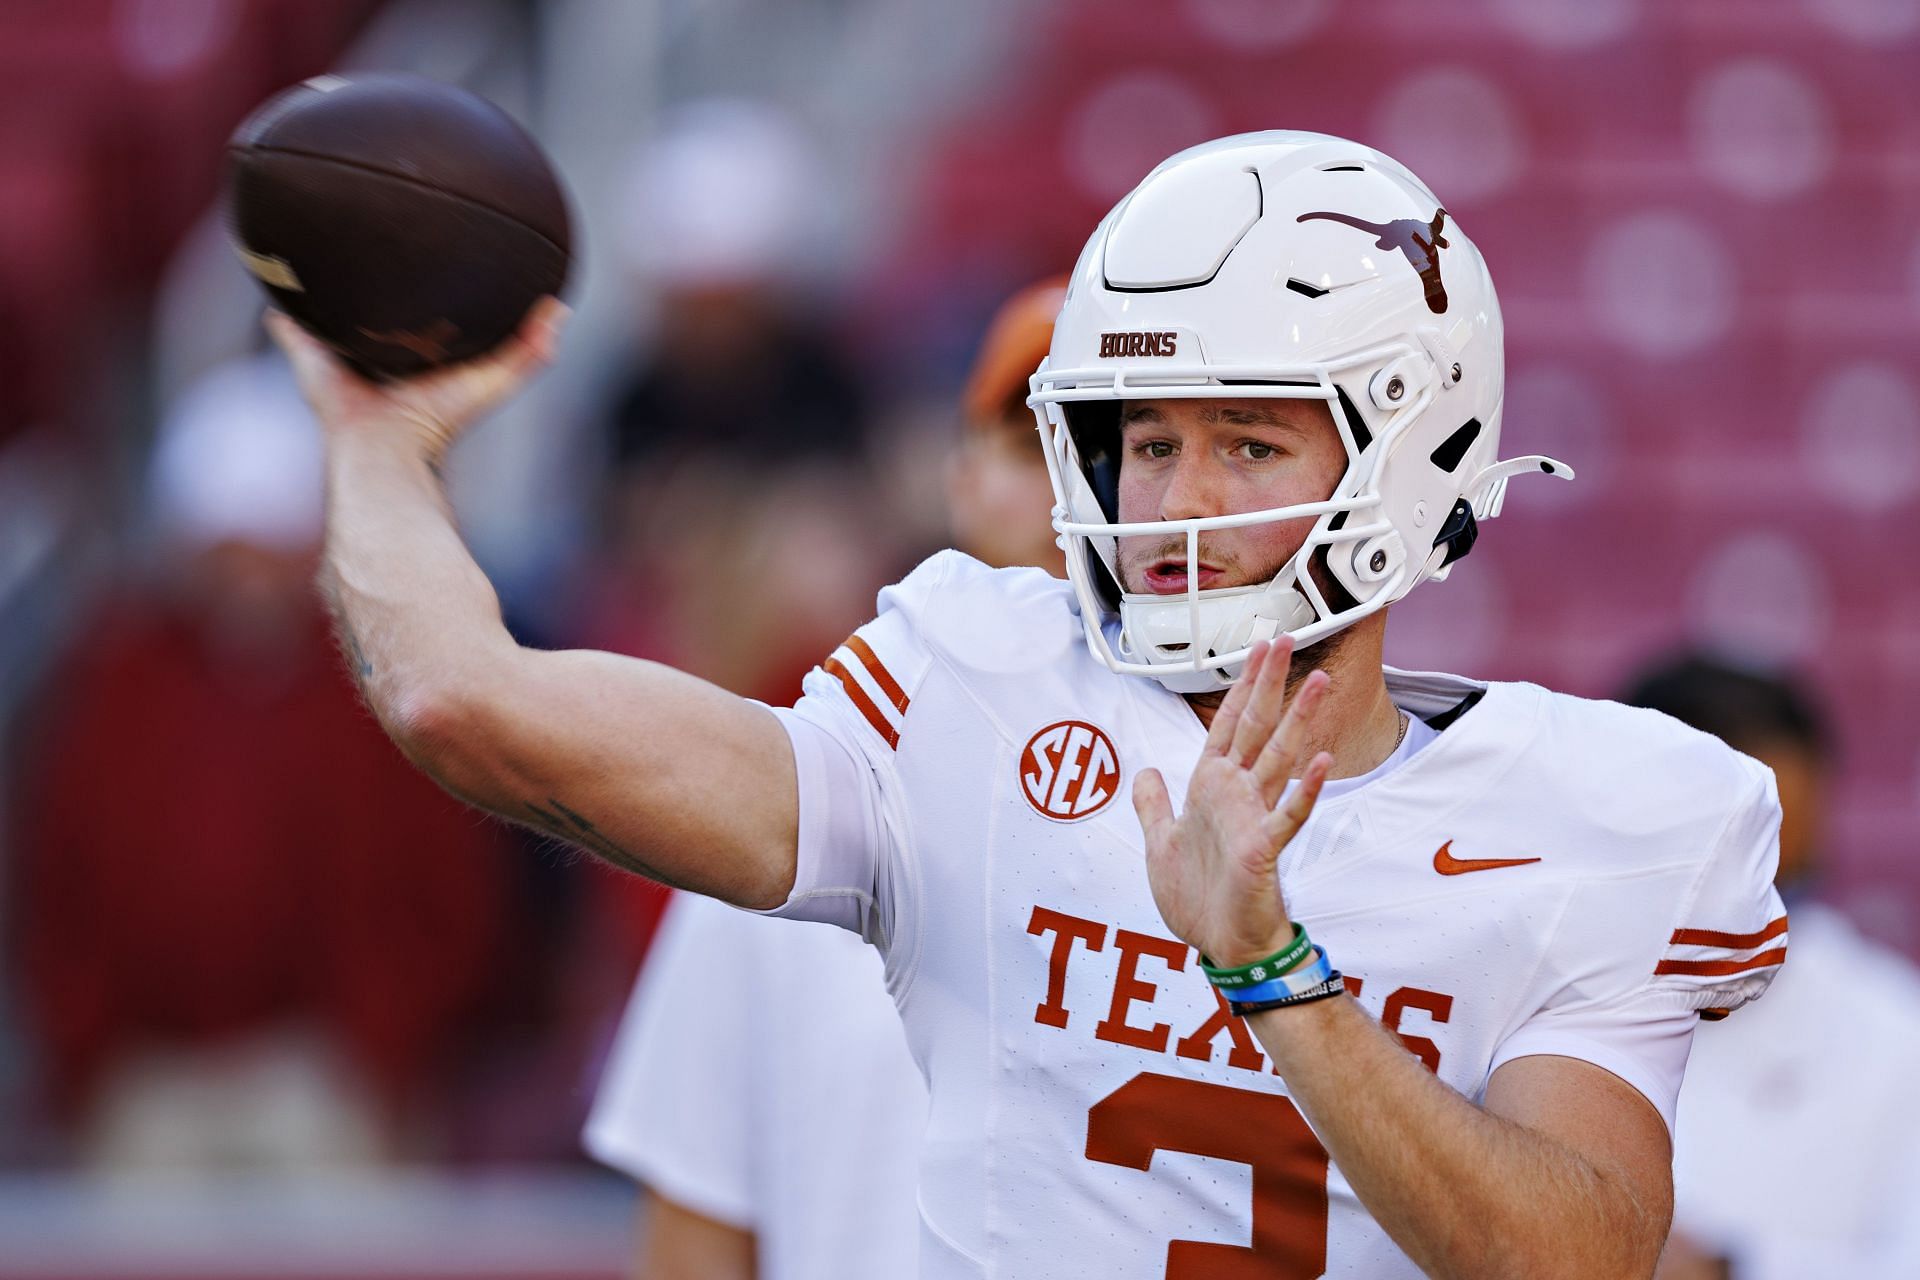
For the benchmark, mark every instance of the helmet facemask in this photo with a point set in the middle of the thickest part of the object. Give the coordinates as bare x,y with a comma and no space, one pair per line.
1278,266
1199,640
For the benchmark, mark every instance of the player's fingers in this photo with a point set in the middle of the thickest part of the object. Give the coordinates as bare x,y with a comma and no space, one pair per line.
499,376
336,393
1268,699
1284,822
1281,754
535,342
313,365
291,338
277,326
466,391
543,326
1220,732
1151,804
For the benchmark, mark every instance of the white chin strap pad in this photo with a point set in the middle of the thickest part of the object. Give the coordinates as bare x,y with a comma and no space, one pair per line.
1170,633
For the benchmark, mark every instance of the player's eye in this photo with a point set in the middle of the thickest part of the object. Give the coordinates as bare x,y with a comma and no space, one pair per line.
1260,450
1153,449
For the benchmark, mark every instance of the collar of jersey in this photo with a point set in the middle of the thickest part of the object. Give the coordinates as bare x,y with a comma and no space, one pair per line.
1399,808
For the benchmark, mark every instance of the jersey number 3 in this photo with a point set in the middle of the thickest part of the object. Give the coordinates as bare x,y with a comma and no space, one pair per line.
1166,1113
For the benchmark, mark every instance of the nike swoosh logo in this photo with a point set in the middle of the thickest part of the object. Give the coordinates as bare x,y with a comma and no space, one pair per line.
1448,865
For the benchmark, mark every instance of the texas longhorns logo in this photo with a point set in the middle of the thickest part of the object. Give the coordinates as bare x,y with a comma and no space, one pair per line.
1420,241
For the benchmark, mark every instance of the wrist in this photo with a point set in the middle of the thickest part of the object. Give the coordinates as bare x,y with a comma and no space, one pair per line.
1286,951
384,445
1247,991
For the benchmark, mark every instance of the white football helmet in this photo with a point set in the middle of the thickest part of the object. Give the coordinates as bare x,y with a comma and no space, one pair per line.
1279,265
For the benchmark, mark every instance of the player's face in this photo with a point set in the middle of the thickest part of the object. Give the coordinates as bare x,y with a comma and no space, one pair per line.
1182,459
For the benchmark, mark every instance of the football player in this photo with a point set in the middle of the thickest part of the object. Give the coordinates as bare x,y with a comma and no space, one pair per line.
808,1170
1407,981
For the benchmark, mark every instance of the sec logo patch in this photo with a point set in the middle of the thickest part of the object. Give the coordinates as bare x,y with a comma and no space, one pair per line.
1070,771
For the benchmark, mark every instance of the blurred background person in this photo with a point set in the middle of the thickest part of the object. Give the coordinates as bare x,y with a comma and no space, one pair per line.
776,1135
738,533
723,221
1796,1148
999,499
225,965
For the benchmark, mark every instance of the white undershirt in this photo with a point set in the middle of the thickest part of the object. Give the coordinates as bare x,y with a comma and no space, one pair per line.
1419,734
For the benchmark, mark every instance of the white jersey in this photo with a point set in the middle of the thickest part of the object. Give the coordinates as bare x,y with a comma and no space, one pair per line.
780,1100
1816,1080
1548,876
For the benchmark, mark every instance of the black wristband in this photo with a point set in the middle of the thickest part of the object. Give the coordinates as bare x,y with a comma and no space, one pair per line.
1333,986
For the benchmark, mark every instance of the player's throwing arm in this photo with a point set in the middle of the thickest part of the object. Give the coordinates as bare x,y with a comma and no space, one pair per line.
1544,1180
630,759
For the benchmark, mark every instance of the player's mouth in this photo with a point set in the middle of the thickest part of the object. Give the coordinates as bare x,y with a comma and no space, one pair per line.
1169,577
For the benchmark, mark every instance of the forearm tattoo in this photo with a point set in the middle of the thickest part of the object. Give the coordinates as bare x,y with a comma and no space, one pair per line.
557,819
357,661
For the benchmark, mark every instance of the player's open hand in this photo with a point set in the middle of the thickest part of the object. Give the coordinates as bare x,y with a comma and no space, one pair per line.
432,410
1213,868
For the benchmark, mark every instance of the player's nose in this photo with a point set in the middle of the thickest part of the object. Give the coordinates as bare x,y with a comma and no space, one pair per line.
1192,488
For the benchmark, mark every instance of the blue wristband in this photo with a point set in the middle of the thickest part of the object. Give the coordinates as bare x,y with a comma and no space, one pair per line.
1305,978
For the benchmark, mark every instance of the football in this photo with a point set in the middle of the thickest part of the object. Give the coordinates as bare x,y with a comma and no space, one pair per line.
405,222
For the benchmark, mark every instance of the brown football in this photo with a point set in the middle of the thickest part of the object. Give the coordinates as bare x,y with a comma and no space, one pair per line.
404,222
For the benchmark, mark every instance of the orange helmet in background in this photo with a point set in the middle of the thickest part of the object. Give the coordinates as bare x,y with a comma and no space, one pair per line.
998,492
1017,341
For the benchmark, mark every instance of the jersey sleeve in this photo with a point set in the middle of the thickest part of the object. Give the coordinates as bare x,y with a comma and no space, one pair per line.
857,707
1731,935
1636,978
672,1108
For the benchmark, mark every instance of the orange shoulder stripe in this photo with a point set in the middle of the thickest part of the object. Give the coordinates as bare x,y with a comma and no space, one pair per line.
835,668
881,676
1722,968
1731,941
